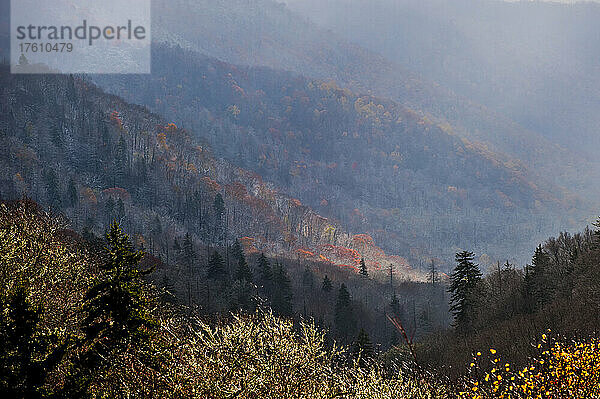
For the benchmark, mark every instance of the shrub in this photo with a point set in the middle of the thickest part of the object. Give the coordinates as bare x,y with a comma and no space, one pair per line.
562,370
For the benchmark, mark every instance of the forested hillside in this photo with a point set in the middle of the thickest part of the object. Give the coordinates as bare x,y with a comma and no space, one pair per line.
376,166
267,33
94,158
533,61
517,312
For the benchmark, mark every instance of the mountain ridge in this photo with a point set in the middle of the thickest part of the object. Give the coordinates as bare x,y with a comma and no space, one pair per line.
287,128
131,158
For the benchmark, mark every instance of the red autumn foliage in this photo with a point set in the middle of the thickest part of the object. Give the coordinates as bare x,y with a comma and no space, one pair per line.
211,184
116,118
248,245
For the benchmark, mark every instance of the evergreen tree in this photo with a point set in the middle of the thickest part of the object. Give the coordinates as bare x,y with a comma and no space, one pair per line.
327,286
540,278
156,227
236,250
528,291
156,233
117,307
363,268
72,196
219,207
464,289
168,288
281,299
243,272
344,319
397,311
265,273
240,296
395,306
53,190
28,353
216,267
120,163
188,258
362,348
242,288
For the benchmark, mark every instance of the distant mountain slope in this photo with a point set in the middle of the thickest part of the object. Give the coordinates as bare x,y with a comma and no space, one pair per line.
265,32
95,157
535,62
374,165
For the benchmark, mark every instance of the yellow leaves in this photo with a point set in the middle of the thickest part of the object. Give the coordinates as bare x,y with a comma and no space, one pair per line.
34,250
493,351
161,138
571,370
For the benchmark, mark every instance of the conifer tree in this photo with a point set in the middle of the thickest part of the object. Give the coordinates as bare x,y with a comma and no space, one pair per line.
326,286
362,348
72,196
120,210
120,163
464,289
219,207
540,278
344,320
243,272
395,306
363,268
236,250
265,273
216,267
176,246
240,296
117,307
28,353
281,299
396,310
528,291
53,190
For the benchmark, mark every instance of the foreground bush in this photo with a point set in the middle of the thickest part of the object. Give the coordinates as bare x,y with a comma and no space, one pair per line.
561,371
262,356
